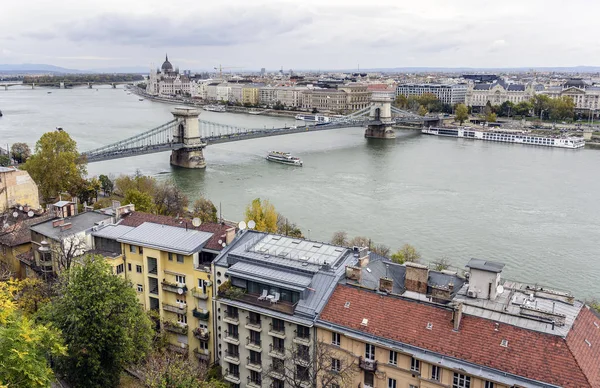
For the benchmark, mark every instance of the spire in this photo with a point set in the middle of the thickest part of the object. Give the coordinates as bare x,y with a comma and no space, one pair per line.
166,58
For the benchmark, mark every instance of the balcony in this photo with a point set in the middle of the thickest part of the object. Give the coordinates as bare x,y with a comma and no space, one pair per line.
233,358
367,365
232,338
277,331
174,287
254,365
181,308
232,376
199,293
231,317
253,324
178,328
200,314
202,354
277,352
281,306
277,372
201,334
180,348
302,358
301,338
253,344
254,383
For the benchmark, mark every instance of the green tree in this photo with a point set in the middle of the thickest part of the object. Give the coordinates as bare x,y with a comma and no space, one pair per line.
401,101
102,322
20,152
169,199
139,182
407,253
4,160
505,109
461,113
56,165
562,108
491,117
106,184
523,108
83,190
541,104
422,111
24,344
143,201
205,210
263,214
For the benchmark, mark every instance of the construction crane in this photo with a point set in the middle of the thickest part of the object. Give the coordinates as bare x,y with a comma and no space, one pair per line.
220,68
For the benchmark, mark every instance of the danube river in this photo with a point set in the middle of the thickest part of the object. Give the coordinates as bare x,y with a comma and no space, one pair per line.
535,209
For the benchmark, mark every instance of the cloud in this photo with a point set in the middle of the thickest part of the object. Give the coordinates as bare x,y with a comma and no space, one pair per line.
220,28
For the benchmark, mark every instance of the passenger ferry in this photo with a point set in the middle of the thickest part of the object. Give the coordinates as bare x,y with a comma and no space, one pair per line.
315,118
284,158
507,136
214,108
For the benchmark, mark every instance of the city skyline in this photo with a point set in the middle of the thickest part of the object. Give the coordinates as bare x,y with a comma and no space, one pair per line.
311,35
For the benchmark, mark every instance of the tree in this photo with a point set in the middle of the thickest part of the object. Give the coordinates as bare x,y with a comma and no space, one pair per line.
562,108
325,365
84,190
541,104
103,325
461,113
407,253
139,182
523,108
380,249
143,201
263,214
422,110
106,184
490,117
287,228
4,160
360,241
24,344
169,200
56,165
401,101
66,250
205,210
505,109
442,264
340,238
20,152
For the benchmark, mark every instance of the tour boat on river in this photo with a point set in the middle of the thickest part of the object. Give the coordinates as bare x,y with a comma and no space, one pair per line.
315,118
507,136
284,158
214,108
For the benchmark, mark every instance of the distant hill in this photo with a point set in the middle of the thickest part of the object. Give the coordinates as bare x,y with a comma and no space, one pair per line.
124,69
572,69
35,68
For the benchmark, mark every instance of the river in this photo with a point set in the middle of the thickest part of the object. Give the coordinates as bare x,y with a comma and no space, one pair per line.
535,209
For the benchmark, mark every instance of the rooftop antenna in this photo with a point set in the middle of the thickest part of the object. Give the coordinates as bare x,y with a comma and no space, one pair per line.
220,213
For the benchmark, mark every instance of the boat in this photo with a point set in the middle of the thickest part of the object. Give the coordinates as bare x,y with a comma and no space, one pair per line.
0,113
507,136
141,99
49,92
315,118
214,108
284,158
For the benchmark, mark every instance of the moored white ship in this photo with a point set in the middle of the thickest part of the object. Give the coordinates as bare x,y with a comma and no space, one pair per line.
215,108
507,136
284,158
313,118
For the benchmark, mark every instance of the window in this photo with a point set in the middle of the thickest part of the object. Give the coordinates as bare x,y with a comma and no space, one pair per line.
255,357
369,379
278,384
141,250
152,266
415,365
180,258
488,384
393,358
461,381
182,318
391,383
138,268
170,256
336,364
335,339
140,288
120,269
302,372
279,344
132,248
180,279
436,372
303,352
303,332
369,352
278,325
128,266
255,337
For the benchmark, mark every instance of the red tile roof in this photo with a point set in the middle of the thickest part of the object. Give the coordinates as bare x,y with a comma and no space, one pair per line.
19,233
534,355
219,230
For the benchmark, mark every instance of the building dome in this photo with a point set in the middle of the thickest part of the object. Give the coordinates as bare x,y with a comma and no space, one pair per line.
166,66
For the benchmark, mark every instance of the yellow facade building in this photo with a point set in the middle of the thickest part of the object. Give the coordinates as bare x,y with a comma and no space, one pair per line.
17,189
250,94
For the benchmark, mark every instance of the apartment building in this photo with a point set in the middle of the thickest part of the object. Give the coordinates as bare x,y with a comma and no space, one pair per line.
290,96
17,189
270,290
407,326
251,94
446,93
325,100
585,95
358,96
267,95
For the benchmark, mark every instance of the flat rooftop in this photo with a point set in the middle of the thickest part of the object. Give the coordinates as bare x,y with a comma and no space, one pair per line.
166,238
79,223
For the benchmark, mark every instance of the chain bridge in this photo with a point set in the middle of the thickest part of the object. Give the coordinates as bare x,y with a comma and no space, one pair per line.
187,135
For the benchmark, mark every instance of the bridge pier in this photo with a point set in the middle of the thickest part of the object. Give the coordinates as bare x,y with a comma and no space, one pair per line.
380,125
89,85
187,133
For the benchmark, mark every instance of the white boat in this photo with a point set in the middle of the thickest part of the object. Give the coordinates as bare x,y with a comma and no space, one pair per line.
507,136
284,158
214,108
315,118
141,99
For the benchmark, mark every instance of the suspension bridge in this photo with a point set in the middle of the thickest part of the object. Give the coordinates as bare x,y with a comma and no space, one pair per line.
187,135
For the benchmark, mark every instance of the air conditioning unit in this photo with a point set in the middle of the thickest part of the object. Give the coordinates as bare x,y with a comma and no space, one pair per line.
471,294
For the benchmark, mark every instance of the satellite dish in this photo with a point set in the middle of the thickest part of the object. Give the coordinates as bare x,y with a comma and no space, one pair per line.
220,242
242,225
499,289
21,208
30,213
196,222
15,214
223,245
251,224
180,291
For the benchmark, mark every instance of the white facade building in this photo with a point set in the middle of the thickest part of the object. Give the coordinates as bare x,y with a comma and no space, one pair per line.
446,93
478,94
168,82
585,95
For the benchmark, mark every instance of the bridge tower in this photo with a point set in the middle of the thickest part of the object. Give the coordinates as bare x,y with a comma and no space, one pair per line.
380,119
187,133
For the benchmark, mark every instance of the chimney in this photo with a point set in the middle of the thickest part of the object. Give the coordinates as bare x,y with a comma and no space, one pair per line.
229,235
386,285
66,227
362,254
56,223
353,273
457,315
116,204
416,277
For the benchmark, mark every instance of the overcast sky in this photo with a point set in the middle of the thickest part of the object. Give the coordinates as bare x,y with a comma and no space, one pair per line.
303,34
